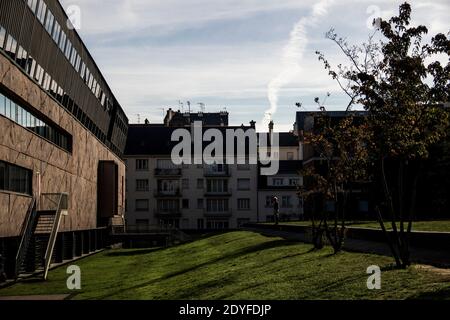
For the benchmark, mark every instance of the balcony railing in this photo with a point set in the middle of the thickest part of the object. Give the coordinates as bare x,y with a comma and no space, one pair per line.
226,193
213,172
213,214
167,194
174,172
161,213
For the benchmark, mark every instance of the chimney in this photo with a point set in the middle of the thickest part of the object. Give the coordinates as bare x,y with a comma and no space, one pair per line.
271,127
253,124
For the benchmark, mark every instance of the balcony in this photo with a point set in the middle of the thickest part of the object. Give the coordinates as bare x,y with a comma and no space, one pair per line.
227,193
223,171
167,194
168,213
174,172
217,214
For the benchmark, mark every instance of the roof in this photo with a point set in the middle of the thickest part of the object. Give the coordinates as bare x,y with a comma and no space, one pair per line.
302,122
288,167
155,139
288,139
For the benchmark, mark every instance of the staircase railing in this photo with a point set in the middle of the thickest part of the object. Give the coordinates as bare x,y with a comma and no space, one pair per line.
26,234
61,209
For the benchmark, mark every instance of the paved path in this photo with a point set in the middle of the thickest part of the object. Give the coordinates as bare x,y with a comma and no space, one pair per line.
438,258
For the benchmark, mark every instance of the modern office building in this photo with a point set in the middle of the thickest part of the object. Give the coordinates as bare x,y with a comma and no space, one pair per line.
62,133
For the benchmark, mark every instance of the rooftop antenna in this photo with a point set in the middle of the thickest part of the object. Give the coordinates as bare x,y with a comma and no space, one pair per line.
189,106
139,118
181,105
202,107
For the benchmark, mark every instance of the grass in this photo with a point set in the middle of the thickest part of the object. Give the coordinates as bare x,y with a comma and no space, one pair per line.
437,225
238,265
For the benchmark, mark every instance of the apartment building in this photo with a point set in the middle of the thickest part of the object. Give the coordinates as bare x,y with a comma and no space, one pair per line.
188,196
359,204
62,137
284,185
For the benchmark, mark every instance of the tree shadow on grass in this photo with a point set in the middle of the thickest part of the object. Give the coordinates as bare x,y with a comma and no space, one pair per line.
237,254
441,294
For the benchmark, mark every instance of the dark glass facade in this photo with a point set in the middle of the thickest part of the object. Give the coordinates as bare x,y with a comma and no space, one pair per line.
44,128
15,179
35,35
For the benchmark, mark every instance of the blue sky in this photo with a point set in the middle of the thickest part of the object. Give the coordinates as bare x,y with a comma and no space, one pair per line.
225,53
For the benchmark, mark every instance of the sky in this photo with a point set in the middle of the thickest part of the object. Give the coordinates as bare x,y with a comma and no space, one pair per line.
252,58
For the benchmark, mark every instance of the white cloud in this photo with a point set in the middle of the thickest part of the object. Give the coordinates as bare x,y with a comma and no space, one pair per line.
148,76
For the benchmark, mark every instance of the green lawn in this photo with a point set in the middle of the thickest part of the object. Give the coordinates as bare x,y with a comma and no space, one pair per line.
238,265
440,226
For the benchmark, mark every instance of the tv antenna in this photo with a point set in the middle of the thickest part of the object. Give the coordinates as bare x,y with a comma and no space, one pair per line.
202,107
189,106
181,105
139,118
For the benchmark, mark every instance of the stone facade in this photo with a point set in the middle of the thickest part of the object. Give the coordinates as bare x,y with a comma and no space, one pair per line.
74,173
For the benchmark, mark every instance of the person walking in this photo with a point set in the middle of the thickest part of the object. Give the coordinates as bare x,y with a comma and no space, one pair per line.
276,210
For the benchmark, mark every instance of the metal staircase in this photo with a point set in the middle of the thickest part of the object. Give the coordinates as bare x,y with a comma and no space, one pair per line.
39,234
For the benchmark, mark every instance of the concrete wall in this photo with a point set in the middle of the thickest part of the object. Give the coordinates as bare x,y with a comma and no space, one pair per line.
61,171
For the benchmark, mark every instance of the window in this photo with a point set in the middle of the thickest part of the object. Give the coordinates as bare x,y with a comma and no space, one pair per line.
200,183
363,206
217,186
243,184
243,167
46,83
142,185
286,202
68,49
294,182
169,206
142,164
185,203
200,204
142,205
56,32
243,204
278,182
62,41
22,57
269,201
42,9
217,205
15,179
200,224
11,47
32,5
290,156
185,184
22,117
329,206
166,164
242,221
217,224
39,76
49,23
142,222
2,37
